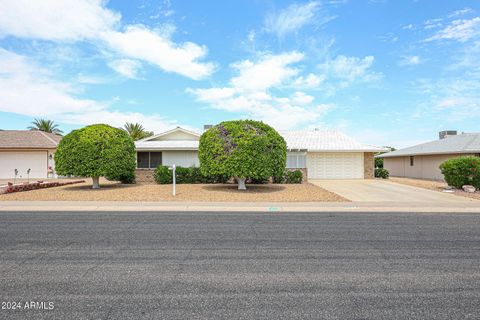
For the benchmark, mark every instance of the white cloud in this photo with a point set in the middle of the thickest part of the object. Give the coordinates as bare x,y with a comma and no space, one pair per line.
460,30
410,60
156,47
125,67
461,12
56,19
291,19
30,90
270,70
90,20
350,69
250,92
310,81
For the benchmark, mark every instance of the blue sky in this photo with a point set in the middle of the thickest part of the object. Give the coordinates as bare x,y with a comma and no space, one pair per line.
386,72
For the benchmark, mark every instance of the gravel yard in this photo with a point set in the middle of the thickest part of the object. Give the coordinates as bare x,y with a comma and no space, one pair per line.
113,191
433,185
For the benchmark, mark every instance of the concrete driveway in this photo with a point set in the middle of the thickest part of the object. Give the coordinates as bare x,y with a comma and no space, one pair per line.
386,191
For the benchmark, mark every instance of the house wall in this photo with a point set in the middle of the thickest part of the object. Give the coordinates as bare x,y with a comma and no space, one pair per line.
425,167
180,158
368,165
175,136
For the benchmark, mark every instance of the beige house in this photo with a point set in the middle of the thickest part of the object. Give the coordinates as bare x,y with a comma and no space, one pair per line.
22,150
320,154
422,161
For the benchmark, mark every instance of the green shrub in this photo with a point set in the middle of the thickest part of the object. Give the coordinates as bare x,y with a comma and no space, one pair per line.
163,175
294,176
278,179
461,171
242,149
97,151
258,180
381,173
378,163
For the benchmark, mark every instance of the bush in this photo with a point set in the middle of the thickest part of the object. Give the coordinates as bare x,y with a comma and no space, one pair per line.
258,180
278,179
378,163
163,175
242,149
97,151
295,176
461,171
381,173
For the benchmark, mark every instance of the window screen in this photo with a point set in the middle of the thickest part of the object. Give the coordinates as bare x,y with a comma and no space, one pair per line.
296,160
155,159
142,160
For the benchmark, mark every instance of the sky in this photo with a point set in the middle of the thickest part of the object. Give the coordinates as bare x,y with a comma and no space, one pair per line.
386,72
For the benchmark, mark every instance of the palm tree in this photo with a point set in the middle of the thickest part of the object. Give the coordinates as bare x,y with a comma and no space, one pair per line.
45,126
136,131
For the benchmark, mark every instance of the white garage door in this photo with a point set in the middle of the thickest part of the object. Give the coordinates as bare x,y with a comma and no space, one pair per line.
335,165
36,161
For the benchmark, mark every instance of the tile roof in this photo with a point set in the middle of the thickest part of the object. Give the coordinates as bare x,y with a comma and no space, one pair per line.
26,139
462,143
326,140
313,140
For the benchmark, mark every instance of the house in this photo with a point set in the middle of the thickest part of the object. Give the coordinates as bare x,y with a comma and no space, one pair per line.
23,150
320,154
422,161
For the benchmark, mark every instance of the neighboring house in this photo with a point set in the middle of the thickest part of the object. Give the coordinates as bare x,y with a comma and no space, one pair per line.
25,149
322,154
423,160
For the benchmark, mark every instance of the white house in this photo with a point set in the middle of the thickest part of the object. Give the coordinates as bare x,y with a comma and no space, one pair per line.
22,150
323,154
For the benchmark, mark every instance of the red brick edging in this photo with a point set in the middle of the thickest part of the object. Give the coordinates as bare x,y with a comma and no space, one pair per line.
10,188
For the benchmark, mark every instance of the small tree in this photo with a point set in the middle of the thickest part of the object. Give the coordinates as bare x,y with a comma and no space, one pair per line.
242,149
95,151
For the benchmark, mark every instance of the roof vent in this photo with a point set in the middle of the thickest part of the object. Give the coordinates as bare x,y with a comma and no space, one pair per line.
316,129
207,126
446,133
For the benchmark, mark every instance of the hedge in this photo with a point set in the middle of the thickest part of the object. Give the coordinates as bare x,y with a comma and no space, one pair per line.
163,175
462,171
381,173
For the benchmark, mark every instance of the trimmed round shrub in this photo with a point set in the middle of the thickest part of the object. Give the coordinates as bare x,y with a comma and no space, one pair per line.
97,151
462,171
242,149
294,176
381,173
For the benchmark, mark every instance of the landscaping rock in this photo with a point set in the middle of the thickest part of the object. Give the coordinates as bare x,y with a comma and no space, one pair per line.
468,188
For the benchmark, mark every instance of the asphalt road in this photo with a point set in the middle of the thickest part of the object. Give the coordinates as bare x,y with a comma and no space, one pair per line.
240,265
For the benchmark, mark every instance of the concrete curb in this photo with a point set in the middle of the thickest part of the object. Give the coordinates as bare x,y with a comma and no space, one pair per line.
123,206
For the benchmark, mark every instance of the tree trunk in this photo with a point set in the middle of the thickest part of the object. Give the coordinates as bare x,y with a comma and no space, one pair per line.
241,183
96,183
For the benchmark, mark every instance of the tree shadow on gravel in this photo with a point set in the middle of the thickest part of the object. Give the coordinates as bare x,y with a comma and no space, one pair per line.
251,188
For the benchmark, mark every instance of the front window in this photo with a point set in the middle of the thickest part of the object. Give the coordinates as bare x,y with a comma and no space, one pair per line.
296,160
149,160
412,161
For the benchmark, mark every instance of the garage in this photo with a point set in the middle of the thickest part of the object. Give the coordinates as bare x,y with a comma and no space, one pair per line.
36,161
27,149
335,165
